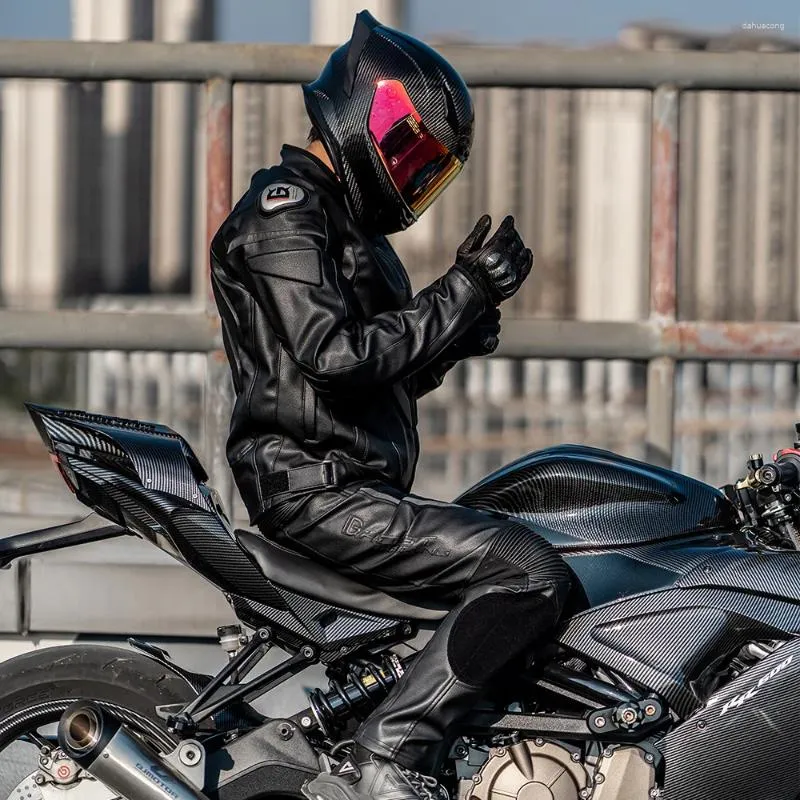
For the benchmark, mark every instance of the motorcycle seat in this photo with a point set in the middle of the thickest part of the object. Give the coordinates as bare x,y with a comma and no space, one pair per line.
298,573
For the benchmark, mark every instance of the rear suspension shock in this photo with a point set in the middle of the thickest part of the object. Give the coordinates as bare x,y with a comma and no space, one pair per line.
365,685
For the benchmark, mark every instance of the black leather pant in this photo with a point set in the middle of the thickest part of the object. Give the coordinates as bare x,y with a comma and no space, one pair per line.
506,584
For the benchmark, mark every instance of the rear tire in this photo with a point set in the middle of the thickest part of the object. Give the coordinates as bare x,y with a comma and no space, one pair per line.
35,688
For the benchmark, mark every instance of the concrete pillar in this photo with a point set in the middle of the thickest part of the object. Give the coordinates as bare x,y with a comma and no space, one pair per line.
502,179
687,207
32,193
790,201
741,205
708,201
611,210
113,25
555,199
174,183
332,20
765,214
125,146
200,260
794,218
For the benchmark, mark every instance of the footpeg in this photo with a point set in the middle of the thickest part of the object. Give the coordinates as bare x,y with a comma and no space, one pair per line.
628,716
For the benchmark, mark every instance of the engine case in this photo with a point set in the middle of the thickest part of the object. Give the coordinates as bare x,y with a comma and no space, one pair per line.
529,770
544,770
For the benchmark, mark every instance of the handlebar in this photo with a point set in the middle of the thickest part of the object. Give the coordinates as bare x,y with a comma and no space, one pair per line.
784,471
768,497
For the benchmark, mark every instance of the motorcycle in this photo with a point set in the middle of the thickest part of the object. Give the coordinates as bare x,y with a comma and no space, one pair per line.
673,673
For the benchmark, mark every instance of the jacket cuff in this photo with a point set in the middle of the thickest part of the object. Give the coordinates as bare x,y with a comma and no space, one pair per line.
480,288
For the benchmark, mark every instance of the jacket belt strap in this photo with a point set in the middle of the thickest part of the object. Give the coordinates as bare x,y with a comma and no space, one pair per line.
301,479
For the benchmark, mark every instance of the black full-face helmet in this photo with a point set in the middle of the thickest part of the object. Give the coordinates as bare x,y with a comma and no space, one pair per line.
396,120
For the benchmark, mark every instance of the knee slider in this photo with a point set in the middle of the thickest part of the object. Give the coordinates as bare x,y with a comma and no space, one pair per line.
497,626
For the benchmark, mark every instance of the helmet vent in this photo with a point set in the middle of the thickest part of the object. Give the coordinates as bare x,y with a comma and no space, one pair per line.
452,114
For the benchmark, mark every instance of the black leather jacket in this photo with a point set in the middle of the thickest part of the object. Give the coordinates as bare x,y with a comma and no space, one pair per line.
329,350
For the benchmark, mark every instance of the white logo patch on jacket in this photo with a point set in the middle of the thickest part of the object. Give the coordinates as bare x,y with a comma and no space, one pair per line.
278,196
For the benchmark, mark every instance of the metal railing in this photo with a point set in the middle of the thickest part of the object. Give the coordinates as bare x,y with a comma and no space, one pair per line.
661,339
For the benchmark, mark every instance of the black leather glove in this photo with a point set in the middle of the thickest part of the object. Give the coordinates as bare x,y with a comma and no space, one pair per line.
482,338
501,264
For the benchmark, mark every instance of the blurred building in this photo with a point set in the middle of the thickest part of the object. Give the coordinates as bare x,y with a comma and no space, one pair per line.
99,178
116,205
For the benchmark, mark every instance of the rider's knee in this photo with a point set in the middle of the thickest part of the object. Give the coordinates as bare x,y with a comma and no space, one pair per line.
518,557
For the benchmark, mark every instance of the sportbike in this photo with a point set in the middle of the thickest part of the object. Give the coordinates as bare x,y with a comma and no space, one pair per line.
673,674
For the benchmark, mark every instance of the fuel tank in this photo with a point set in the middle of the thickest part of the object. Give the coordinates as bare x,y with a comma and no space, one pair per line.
585,498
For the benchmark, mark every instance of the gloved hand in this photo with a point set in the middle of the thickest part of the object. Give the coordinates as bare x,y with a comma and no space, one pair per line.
501,264
481,339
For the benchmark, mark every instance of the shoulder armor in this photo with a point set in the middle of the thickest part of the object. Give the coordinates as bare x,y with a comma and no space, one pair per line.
279,196
278,211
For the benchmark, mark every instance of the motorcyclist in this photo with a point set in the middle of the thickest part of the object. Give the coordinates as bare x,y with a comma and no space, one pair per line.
330,351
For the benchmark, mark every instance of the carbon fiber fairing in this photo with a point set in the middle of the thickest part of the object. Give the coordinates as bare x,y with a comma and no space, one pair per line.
662,592
582,497
153,455
704,602
743,744
147,479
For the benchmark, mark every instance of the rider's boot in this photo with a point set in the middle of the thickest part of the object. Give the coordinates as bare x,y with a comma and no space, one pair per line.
366,776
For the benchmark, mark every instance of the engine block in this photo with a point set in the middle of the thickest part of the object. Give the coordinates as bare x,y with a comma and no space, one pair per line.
542,770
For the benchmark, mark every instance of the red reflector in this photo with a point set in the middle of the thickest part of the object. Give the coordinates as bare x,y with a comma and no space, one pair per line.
788,451
65,472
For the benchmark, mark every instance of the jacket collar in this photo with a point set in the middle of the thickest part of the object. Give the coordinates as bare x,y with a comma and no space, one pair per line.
311,168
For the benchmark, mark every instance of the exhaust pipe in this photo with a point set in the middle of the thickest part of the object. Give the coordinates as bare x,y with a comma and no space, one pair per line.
100,744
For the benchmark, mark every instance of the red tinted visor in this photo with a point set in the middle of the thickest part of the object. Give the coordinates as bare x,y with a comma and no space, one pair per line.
418,164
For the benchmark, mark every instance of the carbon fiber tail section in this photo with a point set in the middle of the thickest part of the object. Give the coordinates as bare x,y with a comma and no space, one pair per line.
146,478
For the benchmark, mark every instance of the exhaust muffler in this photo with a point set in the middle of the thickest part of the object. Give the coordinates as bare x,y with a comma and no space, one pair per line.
100,744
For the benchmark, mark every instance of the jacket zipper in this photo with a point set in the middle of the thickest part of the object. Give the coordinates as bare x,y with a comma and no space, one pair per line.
404,466
399,461
415,419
